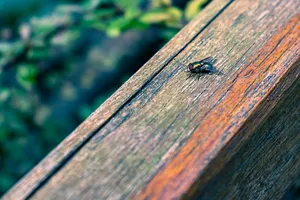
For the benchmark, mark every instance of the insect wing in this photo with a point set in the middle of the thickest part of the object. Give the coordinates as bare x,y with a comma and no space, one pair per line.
208,67
208,60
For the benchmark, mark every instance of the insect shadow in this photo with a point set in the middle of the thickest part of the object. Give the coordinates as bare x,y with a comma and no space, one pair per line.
202,67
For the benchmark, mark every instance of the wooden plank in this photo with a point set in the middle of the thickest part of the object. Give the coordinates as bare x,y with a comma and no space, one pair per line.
176,134
85,131
191,119
237,115
268,161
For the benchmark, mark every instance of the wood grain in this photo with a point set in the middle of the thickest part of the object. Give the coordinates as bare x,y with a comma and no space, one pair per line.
269,160
251,86
169,136
86,130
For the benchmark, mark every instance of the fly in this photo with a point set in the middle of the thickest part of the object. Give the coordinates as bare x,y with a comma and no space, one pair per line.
204,66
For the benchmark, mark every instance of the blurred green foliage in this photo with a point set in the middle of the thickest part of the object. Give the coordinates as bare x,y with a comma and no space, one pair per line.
37,52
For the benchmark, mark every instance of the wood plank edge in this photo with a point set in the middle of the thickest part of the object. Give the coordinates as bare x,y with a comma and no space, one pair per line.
230,149
165,184
58,157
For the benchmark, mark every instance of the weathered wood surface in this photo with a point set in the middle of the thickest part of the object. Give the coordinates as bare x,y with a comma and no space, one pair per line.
162,136
269,159
107,110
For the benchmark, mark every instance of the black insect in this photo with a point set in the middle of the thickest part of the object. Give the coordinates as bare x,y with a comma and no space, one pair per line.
204,66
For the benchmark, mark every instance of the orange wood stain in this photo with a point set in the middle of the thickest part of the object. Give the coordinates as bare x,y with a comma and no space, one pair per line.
226,118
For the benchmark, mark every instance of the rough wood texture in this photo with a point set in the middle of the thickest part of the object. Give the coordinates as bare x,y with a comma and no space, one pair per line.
268,160
246,104
164,136
104,113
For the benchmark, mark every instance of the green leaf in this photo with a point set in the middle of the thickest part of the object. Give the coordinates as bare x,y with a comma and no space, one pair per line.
5,47
193,8
104,12
170,16
113,32
38,53
4,94
11,49
26,75
92,4
99,14
95,19
65,37
38,43
160,3
98,26
132,12
68,8
126,5
44,26
121,24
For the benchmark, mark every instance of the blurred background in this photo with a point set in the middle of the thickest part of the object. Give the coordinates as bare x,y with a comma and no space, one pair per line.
61,59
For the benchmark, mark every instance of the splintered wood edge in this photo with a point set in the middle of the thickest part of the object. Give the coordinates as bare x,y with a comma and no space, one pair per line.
66,149
196,164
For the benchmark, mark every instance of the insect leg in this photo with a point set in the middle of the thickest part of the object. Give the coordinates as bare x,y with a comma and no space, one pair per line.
199,75
189,75
219,72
